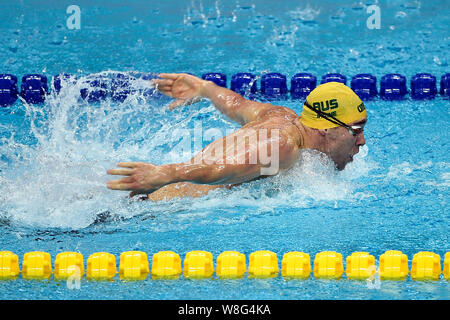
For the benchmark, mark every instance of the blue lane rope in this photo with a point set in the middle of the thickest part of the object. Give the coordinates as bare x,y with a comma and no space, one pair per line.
273,86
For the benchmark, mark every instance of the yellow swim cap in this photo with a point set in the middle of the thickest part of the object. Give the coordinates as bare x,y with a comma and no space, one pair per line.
335,99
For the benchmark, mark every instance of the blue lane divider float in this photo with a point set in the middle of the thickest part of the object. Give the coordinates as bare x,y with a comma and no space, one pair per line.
393,86
423,86
57,81
244,83
273,86
364,85
334,77
8,89
302,84
97,89
62,79
121,87
219,79
34,88
445,85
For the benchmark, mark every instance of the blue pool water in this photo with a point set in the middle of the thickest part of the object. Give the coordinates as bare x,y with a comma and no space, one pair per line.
54,157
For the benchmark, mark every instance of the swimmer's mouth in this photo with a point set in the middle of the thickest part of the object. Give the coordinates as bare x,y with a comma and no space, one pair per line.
352,155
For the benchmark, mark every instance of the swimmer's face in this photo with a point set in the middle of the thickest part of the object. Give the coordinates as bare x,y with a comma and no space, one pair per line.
342,145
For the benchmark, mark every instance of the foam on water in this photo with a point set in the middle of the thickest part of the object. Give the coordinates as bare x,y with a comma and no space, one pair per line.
60,181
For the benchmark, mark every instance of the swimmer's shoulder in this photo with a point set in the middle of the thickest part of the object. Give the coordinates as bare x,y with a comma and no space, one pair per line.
282,118
277,111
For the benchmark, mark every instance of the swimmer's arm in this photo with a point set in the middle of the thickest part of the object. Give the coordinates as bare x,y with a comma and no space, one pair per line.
145,178
188,89
227,161
233,104
214,174
229,171
205,168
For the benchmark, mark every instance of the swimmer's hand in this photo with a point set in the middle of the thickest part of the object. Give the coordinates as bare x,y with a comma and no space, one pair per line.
185,88
141,178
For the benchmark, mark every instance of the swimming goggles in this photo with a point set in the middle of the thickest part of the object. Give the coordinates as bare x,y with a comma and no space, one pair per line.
354,130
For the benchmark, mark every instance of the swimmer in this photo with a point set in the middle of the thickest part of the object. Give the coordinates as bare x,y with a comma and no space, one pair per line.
332,121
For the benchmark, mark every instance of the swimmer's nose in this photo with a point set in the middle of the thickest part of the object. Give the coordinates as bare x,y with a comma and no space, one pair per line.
360,140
